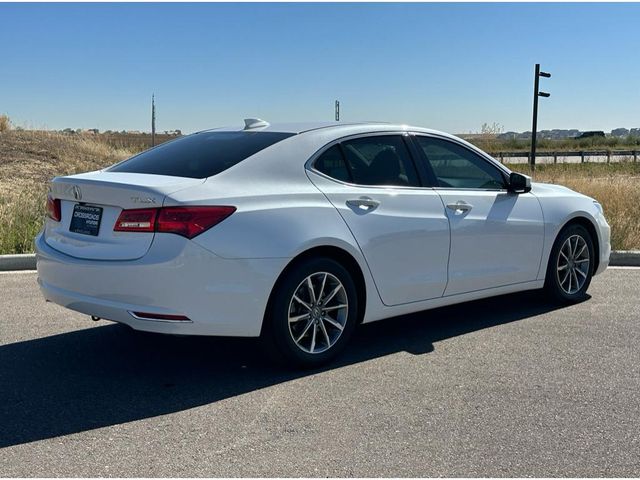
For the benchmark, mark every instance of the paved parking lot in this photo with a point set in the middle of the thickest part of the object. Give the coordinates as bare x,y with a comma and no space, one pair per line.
501,387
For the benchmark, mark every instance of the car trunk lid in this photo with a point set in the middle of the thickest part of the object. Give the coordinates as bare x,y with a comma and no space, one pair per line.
90,205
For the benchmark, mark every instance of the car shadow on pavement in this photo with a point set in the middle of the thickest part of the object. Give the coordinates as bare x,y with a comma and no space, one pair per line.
107,375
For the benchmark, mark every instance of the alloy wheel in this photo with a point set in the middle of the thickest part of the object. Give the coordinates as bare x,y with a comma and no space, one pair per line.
318,312
572,267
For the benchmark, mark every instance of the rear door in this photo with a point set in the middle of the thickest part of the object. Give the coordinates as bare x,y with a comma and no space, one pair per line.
496,236
400,226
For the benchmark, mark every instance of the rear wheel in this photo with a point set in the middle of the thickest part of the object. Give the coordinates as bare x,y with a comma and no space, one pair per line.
570,265
313,313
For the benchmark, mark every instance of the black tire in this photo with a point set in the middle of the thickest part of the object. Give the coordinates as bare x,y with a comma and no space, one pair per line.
557,286
278,336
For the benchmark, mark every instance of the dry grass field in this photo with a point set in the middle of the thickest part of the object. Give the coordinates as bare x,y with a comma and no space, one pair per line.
29,159
616,186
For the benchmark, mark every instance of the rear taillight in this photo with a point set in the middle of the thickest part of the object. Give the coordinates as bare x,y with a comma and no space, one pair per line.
54,209
186,221
191,221
139,220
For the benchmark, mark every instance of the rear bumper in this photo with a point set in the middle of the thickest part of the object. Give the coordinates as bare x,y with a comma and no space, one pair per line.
176,277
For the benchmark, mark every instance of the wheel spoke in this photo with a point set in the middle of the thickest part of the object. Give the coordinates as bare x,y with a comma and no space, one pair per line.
570,278
324,280
335,307
302,302
312,293
582,260
562,267
313,337
332,294
564,279
324,332
305,330
297,318
584,275
581,250
575,279
331,321
562,253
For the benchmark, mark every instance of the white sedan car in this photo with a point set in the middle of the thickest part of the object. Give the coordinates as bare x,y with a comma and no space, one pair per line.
298,233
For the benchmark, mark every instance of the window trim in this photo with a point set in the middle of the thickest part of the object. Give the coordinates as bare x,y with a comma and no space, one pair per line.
403,134
502,170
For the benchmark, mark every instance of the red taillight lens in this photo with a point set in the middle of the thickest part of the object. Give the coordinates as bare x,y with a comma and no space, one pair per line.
54,209
140,220
185,221
191,221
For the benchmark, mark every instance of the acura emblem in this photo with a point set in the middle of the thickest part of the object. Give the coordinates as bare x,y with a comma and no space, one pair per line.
77,194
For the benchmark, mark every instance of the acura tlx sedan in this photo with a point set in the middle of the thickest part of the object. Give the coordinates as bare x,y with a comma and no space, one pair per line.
298,232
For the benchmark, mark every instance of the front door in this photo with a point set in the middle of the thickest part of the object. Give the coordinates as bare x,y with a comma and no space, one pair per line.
496,236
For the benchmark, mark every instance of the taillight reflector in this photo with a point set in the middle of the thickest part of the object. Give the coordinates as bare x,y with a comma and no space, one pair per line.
54,208
139,220
160,316
186,221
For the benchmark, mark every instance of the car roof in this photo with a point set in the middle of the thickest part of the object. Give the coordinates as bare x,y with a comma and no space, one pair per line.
302,127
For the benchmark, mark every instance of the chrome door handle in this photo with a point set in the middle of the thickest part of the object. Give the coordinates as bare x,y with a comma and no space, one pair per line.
460,206
363,203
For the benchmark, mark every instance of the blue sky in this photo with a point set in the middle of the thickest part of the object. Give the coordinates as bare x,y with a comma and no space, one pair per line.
445,66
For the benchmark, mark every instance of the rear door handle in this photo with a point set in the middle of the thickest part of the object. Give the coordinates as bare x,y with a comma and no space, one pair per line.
460,206
363,203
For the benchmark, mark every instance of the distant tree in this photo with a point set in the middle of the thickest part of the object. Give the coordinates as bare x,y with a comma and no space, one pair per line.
491,129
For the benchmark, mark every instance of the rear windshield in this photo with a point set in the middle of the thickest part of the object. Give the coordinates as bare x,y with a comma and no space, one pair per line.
200,155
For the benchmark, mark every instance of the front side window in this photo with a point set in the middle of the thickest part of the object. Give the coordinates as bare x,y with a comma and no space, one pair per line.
458,167
200,155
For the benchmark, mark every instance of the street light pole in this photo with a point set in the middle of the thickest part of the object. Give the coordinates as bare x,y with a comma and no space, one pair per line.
153,120
534,128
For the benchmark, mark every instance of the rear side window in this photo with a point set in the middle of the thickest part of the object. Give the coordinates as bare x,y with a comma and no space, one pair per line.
200,155
380,160
331,163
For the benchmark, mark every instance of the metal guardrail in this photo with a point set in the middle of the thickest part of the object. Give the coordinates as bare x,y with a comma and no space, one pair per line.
582,156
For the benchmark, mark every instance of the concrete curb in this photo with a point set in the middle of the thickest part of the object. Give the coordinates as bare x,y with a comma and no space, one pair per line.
27,261
625,258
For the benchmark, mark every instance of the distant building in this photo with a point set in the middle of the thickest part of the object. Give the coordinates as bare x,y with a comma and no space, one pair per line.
620,132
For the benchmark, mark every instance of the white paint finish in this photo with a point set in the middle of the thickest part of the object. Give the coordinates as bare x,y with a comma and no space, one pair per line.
405,238
497,242
561,205
113,192
176,276
223,278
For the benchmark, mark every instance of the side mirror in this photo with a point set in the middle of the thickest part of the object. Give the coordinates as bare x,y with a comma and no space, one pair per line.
519,183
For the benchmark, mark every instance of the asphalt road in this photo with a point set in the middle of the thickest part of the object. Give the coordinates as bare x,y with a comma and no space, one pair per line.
510,386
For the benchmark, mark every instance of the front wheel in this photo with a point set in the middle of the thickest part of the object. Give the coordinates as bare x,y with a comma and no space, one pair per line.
570,265
313,313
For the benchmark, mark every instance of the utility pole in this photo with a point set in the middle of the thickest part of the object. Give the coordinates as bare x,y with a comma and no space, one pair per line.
153,120
536,93
337,111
